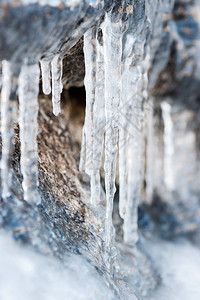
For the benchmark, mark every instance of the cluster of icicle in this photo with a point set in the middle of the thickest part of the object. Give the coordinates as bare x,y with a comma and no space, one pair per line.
116,81
25,84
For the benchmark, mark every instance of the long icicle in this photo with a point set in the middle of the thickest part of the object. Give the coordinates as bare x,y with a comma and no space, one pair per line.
135,148
168,145
90,52
149,153
56,71
98,121
134,116
8,117
28,109
112,39
126,100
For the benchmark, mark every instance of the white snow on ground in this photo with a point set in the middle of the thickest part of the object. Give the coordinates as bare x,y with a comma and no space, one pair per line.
179,266
27,275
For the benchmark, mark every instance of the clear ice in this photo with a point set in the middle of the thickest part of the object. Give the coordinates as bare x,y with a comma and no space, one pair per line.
46,76
168,145
149,177
112,40
56,71
117,60
94,127
116,84
90,85
28,112
8,117
52,72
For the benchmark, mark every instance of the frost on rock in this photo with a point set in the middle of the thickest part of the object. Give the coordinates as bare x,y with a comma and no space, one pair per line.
28,112
8,117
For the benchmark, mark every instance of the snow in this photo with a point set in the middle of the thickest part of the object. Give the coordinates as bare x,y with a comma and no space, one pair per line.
25,274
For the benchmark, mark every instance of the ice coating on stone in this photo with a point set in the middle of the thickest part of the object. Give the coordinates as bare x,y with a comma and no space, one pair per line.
8,116
28,112
46,76
56,71
112,39
168,145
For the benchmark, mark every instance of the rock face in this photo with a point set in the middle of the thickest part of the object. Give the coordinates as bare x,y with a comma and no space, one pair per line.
160,68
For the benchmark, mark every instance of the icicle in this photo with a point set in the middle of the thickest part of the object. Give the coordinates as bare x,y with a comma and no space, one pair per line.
83,152
94,124
90,85
94,128
124,108
8,116
149,153
112,38
134,116
123,172
28,100
98,122
135,172
46,76
56,71
125,120
168,145
130,220
123,145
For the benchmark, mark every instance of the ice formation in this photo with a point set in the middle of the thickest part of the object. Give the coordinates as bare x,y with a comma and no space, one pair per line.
8,117
116,88
168,145
114,109
28,111
52,69
56,69
150,173
118,55
46,76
